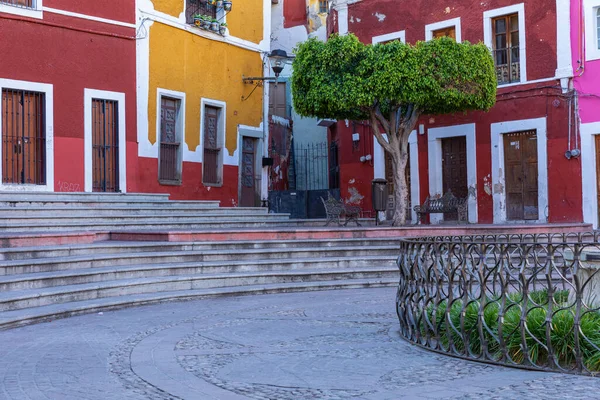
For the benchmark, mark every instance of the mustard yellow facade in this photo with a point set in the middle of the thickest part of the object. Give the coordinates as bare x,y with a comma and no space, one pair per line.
199,68
204,68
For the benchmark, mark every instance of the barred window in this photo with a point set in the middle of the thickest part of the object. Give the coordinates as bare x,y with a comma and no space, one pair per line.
201,7
19,3
506,44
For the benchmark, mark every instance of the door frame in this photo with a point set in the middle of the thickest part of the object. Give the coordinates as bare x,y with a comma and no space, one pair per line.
254,133
588,132
119,97
498,180
48,91
434,147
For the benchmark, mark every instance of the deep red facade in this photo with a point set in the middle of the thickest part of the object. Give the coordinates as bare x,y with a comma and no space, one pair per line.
542,98
74,53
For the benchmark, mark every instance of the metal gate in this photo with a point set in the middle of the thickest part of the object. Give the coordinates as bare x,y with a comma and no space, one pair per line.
105,145
23,137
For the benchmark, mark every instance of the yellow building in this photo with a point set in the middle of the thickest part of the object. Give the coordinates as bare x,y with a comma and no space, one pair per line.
200,128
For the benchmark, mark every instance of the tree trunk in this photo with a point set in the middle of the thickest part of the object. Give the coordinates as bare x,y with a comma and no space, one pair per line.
399,161
397,128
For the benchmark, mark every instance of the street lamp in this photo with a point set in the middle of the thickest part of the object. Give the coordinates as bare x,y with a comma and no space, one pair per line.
277,59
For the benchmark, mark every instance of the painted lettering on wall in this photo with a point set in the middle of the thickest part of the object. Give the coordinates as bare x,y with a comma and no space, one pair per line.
68,187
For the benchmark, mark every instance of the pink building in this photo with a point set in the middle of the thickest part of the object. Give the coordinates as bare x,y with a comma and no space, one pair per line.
585,43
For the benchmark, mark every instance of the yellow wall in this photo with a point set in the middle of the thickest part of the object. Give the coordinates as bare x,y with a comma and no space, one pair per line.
171,7
203,68
244,21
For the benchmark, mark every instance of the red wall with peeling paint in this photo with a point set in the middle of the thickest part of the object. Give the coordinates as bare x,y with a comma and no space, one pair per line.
73,54
541,100
294,13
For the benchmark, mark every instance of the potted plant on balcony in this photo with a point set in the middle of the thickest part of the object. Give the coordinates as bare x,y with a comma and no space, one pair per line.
198,18
211,2
223,28
227,5
219,3
214,25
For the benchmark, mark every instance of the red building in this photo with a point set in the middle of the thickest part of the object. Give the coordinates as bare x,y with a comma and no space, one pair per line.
510,161
68,104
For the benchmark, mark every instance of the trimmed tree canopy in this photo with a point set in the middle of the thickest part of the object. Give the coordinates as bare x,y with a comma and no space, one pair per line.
344,78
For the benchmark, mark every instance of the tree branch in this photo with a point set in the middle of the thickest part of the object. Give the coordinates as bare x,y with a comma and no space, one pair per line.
377,132
384,122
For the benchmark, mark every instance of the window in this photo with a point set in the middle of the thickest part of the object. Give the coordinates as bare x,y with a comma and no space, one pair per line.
277,99
449,28
323,6
19,3
23,137
445,32
598,28
591,11
202,7
171,132
213,133
505,31
25,8
388,37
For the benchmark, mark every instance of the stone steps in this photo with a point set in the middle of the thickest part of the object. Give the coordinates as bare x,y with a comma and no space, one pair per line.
29,266
114,247
15,300
12,319
113,210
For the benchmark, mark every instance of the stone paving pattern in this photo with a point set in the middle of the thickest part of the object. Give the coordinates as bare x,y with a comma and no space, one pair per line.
316,345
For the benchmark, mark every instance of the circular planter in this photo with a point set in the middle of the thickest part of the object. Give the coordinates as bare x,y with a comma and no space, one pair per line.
227,5
214,26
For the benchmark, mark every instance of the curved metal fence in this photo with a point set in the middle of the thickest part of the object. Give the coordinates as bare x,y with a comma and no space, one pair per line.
530,301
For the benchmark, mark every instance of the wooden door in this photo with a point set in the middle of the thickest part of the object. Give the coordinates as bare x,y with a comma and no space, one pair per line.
105,146
521,175
454,170
277,99
249,190
23,137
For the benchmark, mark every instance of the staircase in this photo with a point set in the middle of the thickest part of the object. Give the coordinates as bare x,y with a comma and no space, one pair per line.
80,271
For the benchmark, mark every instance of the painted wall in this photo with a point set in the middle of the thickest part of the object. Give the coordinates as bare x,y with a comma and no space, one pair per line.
587,85
543,99
178,57
73,53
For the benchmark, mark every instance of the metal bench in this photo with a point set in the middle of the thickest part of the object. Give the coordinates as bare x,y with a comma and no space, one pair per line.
335,208
445,204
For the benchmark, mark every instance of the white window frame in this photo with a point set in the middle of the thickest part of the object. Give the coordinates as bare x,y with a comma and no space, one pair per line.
34,12
221,136
88,96
180,129
590,10
454,22
48,90
488,35
434,149
398,35
498,169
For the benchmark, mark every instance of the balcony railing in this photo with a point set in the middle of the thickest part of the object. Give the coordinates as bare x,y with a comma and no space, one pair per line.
508,66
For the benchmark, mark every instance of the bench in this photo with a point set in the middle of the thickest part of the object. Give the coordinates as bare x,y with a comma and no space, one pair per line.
445,204
335,208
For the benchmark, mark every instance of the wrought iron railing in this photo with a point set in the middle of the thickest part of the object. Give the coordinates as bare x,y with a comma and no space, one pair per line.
527,301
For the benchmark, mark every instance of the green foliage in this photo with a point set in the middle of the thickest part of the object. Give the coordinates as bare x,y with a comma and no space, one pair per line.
344,78
562,332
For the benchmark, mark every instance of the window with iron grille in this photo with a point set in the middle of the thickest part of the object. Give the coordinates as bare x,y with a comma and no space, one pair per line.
20,3
169,156
199,7
323,6
505,31
23,137
212,161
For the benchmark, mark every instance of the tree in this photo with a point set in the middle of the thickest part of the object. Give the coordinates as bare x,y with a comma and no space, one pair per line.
391,85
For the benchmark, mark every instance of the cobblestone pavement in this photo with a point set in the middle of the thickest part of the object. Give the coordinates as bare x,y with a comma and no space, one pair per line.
319,345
